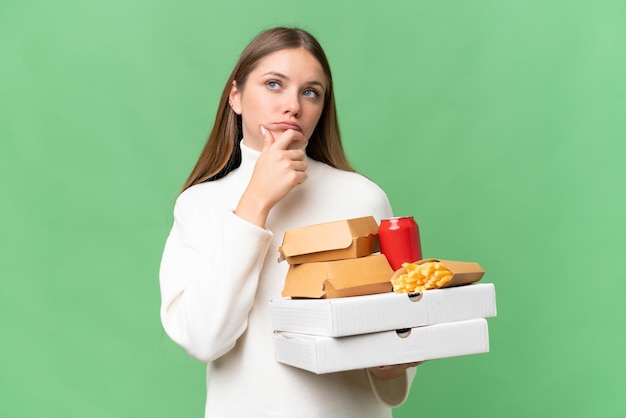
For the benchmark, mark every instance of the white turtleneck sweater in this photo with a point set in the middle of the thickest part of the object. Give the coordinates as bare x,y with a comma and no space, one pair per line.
218,273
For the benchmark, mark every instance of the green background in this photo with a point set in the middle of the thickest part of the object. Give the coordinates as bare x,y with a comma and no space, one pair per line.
499,125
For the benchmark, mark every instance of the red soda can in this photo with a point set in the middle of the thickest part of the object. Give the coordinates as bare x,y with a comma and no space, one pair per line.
399,241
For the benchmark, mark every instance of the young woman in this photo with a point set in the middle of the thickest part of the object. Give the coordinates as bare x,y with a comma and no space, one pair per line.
273,161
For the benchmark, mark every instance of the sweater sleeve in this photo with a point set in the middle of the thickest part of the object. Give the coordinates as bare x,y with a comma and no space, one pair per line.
208,276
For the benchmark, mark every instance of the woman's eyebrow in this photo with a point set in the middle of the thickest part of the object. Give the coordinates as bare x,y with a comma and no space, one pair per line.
276,74
317,83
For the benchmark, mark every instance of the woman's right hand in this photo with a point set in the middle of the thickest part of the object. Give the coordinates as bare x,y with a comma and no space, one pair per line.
279,169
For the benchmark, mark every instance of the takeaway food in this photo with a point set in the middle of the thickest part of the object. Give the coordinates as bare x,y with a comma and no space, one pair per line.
420,277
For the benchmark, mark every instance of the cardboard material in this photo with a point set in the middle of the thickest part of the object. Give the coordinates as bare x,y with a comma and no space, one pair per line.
463,272
382,312
320,354
339,240
334,279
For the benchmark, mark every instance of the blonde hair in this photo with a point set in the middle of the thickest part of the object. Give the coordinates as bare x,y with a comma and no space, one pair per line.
221,153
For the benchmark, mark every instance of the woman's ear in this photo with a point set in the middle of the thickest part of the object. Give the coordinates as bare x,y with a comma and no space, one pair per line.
234,98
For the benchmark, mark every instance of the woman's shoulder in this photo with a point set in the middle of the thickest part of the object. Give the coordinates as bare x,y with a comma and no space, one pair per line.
201,197
194,194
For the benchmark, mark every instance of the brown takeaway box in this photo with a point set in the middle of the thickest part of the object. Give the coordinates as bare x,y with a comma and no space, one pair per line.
333,279
338,240
463,272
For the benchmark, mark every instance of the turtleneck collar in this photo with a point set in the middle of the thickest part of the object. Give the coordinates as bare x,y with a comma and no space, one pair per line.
249,155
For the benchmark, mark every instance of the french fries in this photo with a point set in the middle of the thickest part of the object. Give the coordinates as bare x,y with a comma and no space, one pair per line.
420,277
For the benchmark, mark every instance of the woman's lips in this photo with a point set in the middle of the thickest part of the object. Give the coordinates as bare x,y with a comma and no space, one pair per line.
288,125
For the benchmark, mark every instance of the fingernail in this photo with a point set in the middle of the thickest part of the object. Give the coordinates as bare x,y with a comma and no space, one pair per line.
263,130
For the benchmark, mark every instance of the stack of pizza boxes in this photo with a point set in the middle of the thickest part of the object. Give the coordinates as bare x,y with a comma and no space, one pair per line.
338,310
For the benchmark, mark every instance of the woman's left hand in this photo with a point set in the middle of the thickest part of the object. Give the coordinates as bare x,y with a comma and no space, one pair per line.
391,372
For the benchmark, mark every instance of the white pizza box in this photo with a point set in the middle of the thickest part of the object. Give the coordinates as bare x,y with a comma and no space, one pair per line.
320,354
338,317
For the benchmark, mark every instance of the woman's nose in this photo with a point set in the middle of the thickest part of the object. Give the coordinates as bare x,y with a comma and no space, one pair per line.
292,104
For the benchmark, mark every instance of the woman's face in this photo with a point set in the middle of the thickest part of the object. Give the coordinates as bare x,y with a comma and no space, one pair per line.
285,91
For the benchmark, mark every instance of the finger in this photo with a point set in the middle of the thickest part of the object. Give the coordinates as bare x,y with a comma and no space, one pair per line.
268,138
303,177
295,154
287,138
299,166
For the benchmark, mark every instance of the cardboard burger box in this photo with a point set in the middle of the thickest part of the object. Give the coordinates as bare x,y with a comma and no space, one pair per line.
320,354
335,259
342,278
337,240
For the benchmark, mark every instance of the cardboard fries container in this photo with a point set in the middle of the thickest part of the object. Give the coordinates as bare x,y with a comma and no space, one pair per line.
463,272
342,278
341,317
338,240
319,354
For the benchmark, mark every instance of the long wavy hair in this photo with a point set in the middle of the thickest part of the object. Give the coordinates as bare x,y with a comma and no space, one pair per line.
221,153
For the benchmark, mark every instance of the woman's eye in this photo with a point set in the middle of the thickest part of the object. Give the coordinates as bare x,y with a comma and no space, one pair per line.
313,94
272,85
